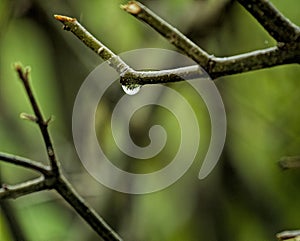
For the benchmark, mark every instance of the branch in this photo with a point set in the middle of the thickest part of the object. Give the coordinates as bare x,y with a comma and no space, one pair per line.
277,25
127,74
64,188
24,162
71,24
52,176
289,235
43,125
284,53
216,66
18,190
289,162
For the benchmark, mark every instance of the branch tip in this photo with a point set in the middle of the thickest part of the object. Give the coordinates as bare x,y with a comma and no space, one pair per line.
29,117
132,7
64,19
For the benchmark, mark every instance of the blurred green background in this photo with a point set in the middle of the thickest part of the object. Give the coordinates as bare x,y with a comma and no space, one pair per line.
246,197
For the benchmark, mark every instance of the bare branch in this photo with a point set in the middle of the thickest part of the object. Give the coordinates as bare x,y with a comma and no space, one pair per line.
289,162
53,177
170,33
71,24
15,191
284,53
65,189
24,162
43,125
289,235
127,74
277,25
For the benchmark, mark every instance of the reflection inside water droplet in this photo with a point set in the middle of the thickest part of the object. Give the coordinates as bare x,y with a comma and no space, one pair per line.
131,89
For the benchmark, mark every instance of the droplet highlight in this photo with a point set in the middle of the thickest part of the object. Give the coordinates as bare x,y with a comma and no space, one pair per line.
131,89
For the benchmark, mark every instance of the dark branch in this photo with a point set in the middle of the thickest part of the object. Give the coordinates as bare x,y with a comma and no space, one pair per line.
127,74
52,176
18,190
85,211
24,162
43,125
277,25
284,53
170,33
71,24
290,235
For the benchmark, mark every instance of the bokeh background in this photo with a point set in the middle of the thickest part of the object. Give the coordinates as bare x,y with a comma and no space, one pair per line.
246,197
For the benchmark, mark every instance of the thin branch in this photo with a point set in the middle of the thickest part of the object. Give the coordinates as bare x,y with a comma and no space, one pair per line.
162,76
170,33
71,24
286,53
25,162
127,74
288,235
24,188
277,25
43,124
289,162
65,189
52,178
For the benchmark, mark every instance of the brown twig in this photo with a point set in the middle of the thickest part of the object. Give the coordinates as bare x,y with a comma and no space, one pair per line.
127,74
52,177
277,25
25,188
43,124
285,53
289,162
25,162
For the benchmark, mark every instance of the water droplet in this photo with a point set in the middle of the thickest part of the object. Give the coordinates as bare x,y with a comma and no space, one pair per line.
131,89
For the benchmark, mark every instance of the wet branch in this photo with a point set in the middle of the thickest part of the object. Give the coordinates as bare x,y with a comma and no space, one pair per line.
287,50
286,33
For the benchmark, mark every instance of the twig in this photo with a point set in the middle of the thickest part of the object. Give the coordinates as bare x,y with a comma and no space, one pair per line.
288,235
289,162
127,74
277,25
25,162
286,53
65,189
9,213
24,188
52,177
43,125
170,33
